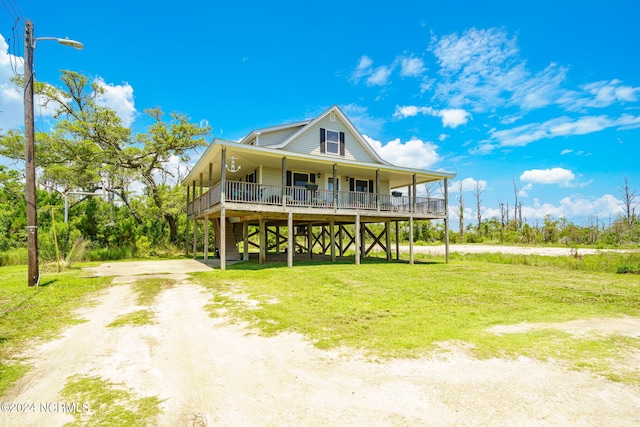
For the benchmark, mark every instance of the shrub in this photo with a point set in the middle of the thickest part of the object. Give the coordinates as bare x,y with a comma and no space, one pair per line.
627,269
18,256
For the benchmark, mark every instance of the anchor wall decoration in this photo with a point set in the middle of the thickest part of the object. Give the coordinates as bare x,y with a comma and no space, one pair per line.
233,169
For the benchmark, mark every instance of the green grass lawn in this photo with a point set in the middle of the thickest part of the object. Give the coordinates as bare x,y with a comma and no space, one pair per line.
390,309
384,309
36,313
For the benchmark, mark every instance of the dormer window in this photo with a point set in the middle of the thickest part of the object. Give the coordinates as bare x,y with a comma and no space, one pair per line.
331,142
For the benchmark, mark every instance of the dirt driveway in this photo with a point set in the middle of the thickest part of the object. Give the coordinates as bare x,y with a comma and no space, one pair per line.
206,371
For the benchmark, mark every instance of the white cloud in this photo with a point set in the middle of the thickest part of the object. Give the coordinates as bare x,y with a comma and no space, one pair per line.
575,206
11,99
119,98
442,137
483,69
599,95
373,76
560,176
411,66
490,212
362,120
524,191
468,184
566,151
379,76
362,69
452,117
562,126
414,153
410,111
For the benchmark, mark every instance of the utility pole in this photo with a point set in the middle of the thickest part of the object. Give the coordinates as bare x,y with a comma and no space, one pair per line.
29,138
30,164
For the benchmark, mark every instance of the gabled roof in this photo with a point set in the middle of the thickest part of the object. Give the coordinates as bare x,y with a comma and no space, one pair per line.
257,132
272,155
252,156
335,109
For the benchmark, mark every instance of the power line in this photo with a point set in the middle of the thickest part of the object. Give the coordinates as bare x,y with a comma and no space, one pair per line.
17,31
13,9
17,53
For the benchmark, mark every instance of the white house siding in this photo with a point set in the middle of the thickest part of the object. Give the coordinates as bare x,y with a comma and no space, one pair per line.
271,176
309,142
276,137
384,188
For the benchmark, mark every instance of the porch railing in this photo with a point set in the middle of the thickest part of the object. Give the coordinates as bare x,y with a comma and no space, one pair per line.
252,193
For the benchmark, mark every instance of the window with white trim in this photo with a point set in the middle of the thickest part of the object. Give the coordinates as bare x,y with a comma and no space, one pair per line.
332,142
300,179
362,186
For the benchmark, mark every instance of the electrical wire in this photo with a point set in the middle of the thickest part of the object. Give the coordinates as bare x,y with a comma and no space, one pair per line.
16,57
12,8
15,54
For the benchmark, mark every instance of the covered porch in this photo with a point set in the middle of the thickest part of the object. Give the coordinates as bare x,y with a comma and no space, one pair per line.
332,203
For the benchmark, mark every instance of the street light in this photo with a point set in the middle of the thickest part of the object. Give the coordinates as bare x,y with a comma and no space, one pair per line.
30,166
66,42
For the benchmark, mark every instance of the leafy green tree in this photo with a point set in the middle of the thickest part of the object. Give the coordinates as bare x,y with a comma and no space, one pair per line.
89,149
12,209
153,152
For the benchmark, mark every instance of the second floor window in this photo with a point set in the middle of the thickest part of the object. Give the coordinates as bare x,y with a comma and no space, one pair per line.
331,142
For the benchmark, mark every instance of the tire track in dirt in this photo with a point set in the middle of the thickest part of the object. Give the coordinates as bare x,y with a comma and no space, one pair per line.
206,371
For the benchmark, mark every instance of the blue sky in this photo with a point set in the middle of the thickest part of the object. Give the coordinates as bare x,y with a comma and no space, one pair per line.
546,94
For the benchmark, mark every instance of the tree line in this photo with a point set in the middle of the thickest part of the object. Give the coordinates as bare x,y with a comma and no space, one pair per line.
511,227
124,196
88,151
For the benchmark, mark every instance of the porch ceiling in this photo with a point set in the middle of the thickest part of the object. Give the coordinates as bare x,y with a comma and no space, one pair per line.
248,158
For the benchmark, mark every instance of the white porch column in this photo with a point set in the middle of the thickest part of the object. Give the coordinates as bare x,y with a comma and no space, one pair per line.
415,194
335,187
397,240
223,239
195,238
378,189
446,221
223,176
283,192
186,228
206,237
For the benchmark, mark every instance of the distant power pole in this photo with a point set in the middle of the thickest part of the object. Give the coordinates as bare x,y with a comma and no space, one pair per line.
30,165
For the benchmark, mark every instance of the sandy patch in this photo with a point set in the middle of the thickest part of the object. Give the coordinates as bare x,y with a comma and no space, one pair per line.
623,326
207,371
126,272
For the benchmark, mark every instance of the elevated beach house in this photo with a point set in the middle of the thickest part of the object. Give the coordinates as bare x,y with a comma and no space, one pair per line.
305,188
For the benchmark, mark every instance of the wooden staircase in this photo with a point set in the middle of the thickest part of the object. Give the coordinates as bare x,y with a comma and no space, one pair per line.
233,235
